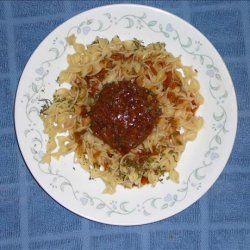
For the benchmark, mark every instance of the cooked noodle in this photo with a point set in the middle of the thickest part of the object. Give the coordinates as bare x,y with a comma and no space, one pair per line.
90,68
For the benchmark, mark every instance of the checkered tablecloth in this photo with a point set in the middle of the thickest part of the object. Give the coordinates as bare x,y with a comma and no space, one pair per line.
30,219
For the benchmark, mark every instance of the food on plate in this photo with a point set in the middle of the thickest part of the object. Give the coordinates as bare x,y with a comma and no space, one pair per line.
128,113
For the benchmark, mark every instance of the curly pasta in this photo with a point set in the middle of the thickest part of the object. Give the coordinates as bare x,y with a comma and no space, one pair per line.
90,68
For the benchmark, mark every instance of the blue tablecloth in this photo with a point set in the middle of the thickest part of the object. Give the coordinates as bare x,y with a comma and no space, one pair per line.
30,219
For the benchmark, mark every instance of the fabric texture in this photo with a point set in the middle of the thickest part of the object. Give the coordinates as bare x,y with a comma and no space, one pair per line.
31,219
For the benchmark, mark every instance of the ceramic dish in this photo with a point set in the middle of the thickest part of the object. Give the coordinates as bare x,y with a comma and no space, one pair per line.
200,164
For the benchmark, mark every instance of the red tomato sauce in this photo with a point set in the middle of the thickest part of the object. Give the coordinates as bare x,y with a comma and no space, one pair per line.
124,115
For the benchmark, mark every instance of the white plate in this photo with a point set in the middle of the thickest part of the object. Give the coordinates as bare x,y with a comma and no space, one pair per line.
201,163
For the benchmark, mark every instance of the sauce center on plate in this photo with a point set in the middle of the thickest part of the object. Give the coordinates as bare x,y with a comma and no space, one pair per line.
124,115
